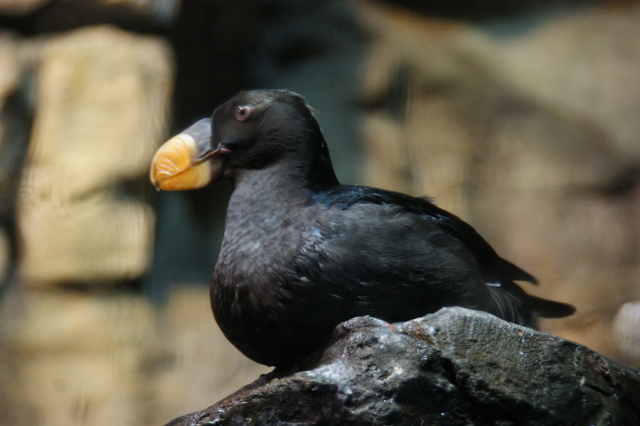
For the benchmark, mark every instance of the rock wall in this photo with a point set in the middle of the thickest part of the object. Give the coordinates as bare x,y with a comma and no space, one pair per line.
82,215
82,109
525,125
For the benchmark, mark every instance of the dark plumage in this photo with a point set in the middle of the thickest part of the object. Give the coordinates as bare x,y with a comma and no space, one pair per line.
301,252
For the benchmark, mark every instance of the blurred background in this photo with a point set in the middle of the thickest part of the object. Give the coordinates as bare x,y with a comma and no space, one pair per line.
520,116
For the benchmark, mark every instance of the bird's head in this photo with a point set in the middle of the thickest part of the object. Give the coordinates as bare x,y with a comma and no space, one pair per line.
250,131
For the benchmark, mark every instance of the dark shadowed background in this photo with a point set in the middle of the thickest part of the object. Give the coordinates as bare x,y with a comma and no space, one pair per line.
522,117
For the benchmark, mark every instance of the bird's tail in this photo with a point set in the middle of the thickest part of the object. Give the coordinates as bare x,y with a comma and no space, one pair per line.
511,303
546,308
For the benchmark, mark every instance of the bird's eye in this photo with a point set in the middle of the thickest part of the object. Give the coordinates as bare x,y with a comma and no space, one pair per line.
242,112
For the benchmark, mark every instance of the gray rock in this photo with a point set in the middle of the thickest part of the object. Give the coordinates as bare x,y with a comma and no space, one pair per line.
453,367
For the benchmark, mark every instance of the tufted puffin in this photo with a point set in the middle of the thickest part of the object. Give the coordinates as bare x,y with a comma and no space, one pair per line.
302,252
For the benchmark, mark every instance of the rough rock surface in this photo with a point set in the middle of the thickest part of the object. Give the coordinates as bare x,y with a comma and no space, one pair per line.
449,368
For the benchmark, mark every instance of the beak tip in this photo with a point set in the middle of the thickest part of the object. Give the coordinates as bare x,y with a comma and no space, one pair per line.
181,164
154,176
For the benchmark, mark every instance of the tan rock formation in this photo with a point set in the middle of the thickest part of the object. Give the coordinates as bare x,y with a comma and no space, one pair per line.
193,341
527,129
102,97
77,358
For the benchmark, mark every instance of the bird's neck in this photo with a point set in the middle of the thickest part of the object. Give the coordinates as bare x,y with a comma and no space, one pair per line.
268,188
263,207
271,198
290,176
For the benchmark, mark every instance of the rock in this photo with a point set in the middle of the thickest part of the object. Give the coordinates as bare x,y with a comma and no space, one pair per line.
516,124
627,332
192,340
453,367
12,145
5,256
102,98
58,15
20,7
10,70
74,357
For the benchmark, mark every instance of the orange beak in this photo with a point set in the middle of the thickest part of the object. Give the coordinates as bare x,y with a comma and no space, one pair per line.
187,161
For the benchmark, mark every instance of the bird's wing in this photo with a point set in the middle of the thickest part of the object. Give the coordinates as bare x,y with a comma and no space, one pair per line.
386,261
493,267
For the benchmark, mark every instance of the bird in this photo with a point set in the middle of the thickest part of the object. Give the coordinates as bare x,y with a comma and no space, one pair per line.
302,252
